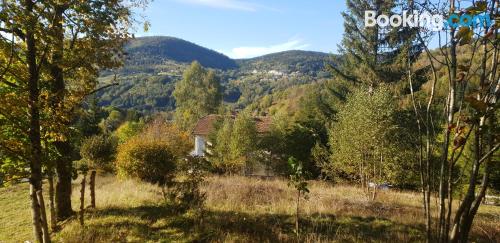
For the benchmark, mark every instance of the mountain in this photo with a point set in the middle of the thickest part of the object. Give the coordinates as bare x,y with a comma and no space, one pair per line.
287,61
155,64
157,49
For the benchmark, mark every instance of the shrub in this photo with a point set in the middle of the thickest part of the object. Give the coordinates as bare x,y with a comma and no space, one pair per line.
175,139
148,160
98,151
186,193
128,130
152,155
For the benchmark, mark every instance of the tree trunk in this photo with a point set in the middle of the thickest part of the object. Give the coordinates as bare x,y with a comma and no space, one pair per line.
92,188
43,217
53,219
63,163
63,188
35,213
444,175
82,198
35,162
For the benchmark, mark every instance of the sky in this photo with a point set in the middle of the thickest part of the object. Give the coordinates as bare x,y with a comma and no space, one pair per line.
249,28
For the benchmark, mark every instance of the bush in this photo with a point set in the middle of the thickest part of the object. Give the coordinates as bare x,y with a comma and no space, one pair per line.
148,160
186,193
128,130
152,155
98,151
179,142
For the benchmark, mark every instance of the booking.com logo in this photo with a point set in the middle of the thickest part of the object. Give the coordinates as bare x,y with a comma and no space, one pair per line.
434,22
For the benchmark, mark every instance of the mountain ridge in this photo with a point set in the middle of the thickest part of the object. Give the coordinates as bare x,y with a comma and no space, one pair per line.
137,43
154,64
172,48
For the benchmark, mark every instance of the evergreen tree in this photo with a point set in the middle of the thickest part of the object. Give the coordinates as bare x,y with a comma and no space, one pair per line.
88,119
196,95
373,54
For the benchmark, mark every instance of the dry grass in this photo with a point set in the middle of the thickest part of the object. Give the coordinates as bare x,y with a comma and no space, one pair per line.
15,213
341,213
240,209
337,213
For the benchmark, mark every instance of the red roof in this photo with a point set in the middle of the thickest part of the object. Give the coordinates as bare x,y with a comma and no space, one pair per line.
206,124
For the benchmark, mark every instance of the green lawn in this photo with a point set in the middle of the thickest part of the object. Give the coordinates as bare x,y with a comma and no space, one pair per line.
15,214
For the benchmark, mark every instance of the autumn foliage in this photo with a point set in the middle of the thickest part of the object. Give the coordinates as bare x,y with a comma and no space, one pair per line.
152,155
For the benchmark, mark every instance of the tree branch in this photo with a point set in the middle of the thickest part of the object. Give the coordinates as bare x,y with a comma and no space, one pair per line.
487,155
101,88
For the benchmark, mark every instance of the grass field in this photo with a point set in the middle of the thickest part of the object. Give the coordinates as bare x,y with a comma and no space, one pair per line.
238,209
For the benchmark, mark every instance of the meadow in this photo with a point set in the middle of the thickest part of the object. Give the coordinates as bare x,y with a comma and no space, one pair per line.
238,209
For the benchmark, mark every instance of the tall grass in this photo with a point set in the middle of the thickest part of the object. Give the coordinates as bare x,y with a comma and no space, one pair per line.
241,209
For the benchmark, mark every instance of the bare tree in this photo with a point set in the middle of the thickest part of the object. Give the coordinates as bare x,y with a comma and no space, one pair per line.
468,115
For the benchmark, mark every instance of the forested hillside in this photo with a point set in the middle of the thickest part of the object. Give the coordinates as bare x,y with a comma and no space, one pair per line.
146,51
154,64
307,62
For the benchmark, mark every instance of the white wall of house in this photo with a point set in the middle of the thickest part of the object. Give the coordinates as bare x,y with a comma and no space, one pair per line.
199,146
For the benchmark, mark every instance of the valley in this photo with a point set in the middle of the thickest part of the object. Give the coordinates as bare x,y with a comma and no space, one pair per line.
154,64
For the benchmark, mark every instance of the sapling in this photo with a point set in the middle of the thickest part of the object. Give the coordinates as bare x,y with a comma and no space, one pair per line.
298,181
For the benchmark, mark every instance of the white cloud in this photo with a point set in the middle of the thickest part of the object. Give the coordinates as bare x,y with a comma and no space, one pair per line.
254,51
225,4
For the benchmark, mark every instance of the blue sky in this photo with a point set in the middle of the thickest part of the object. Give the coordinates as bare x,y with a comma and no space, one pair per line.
249,28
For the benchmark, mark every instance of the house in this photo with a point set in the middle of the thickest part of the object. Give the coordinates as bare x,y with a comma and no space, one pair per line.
206,125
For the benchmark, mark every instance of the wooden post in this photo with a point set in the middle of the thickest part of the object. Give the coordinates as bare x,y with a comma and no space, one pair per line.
92,188
82,198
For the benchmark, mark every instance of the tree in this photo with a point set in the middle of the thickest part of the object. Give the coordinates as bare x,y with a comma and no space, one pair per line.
64,44
220,153
24,35
113,121
319,106
363,142
374,55
196,95
98,152
244,141
177,140
470,104
85,38
235,143
88,118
